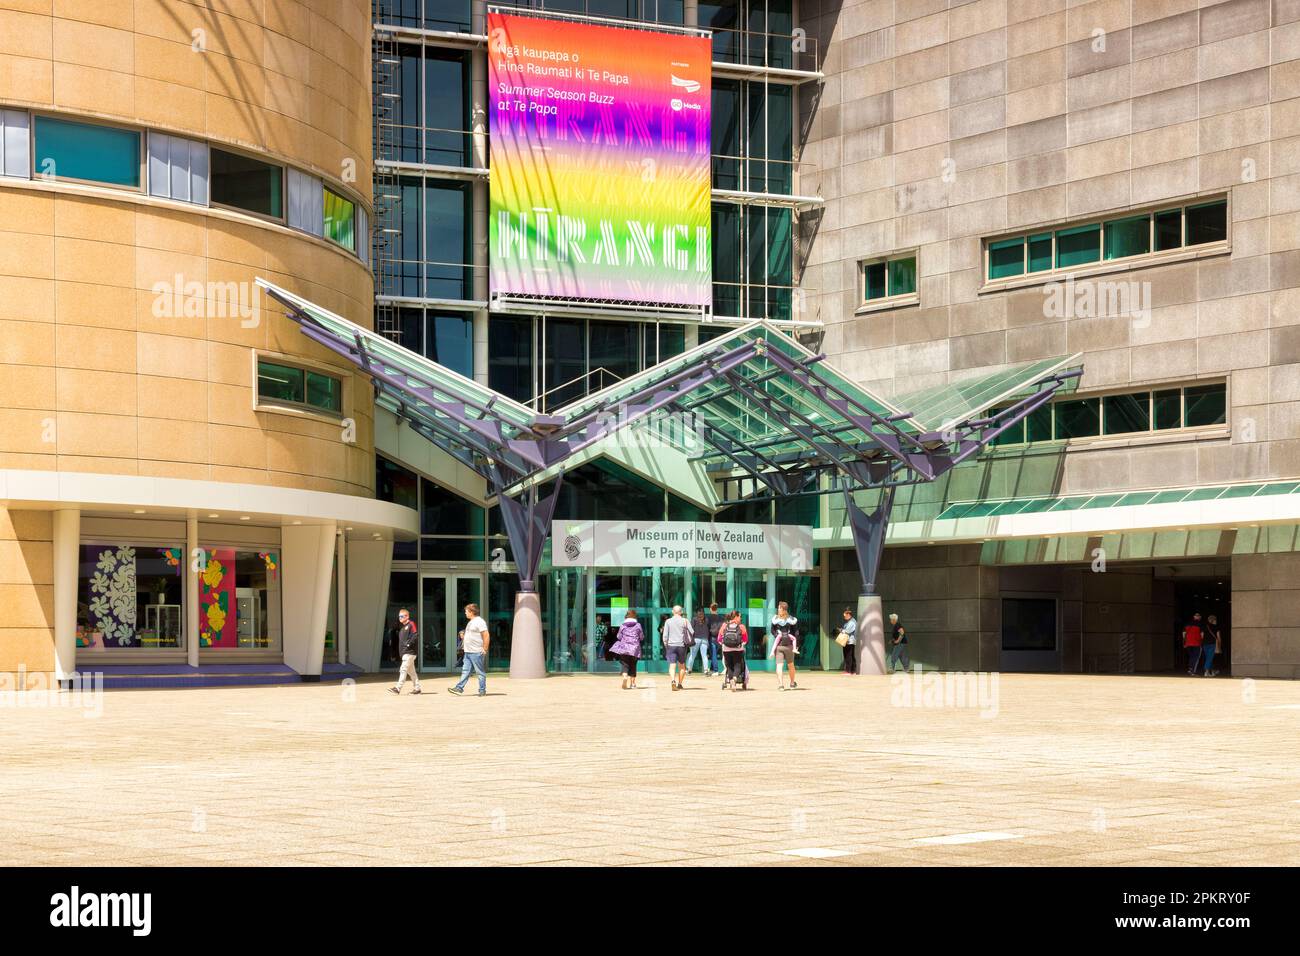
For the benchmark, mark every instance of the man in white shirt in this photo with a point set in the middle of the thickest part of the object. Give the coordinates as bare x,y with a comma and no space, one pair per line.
475,639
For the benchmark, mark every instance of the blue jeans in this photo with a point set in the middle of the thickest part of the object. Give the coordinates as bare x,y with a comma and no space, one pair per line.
1193,659
895,652
1209,658
708,650
476,662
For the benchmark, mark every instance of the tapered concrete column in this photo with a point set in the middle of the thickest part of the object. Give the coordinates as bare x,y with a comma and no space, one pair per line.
191,590
341,597
871,634
67,539
527,645
308,556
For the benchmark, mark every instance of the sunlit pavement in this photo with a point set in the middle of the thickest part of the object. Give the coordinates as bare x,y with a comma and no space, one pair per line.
574,770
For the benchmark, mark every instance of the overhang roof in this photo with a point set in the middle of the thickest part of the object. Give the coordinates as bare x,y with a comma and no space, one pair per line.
752,402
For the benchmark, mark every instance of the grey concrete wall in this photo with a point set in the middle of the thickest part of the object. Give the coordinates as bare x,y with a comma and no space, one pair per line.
943,122
1037,128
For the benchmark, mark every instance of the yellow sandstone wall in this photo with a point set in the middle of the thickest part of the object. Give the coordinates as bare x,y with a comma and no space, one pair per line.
91,378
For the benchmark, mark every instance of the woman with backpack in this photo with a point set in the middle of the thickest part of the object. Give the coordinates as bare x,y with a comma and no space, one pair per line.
626,648
732,638
785,642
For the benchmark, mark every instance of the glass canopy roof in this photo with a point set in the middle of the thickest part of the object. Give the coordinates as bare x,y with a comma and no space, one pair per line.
1015,506
757,402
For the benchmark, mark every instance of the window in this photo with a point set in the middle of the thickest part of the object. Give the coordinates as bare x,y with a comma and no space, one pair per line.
87,152
1126,413
1078,246
1128,237
178,168
15,143
447,211
510,356
242,182
339,221
1116,239
289,385
1204,405
306,202
889,278
1207,223
239,599
130,596
1131,413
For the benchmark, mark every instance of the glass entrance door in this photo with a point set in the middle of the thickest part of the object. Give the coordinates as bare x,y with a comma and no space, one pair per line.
443,597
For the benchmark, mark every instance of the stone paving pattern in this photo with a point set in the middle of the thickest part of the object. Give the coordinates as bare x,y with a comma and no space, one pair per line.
572,770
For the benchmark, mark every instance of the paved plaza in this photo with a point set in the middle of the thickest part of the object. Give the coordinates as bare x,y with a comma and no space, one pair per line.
1079,770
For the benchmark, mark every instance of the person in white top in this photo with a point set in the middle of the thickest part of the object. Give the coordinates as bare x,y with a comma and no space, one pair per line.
475,640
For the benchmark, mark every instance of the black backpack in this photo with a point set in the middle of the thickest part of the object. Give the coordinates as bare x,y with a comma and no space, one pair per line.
731,636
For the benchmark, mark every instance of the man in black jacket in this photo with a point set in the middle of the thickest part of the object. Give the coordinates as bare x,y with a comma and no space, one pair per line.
408,646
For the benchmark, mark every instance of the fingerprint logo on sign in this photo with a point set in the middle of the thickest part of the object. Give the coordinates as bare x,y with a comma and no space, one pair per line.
572,547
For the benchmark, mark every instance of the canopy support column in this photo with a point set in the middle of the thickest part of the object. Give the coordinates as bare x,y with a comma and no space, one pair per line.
869,544
528,524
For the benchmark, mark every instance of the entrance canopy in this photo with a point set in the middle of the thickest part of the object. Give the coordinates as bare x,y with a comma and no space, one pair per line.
765,416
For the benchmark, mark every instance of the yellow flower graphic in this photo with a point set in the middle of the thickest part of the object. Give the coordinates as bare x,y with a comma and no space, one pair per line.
216,618
213,574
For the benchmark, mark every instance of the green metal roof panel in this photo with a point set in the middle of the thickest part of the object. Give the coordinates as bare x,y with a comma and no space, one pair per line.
1011,506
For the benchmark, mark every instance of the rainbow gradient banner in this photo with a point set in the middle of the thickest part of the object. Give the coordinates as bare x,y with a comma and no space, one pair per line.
600,180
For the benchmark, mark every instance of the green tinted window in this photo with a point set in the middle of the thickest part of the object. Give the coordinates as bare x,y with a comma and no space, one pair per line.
1038,424
1078,246
1169,408
1006,258
876,280
1014,435
1078,418
324,391
1169,230
87,151
1128,237
1040,252
246,183
281,383
902,276
1206,405
339,214
1207,223
1126,413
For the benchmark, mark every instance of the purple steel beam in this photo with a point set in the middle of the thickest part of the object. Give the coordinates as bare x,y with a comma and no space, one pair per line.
867,419
700,378
833,452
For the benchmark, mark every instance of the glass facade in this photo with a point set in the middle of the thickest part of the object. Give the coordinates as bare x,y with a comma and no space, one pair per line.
242,182
88,152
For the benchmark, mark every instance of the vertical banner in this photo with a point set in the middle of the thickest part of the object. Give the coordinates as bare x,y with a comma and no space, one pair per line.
600,168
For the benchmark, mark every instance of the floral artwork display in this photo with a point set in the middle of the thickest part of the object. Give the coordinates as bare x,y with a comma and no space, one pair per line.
112,606
217,626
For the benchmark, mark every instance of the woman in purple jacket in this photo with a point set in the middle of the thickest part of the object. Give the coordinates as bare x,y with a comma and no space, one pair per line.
627,648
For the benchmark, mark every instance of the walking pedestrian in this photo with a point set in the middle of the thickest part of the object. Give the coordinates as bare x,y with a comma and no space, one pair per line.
700,628
408,646
715,622
678,637
626,648
785,643
732,638
849,632
476,641
1193,638
1212,644
897,644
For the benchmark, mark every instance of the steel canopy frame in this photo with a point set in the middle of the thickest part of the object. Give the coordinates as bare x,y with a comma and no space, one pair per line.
759,403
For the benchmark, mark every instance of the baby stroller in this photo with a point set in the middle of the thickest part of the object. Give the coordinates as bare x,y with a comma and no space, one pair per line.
744,681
